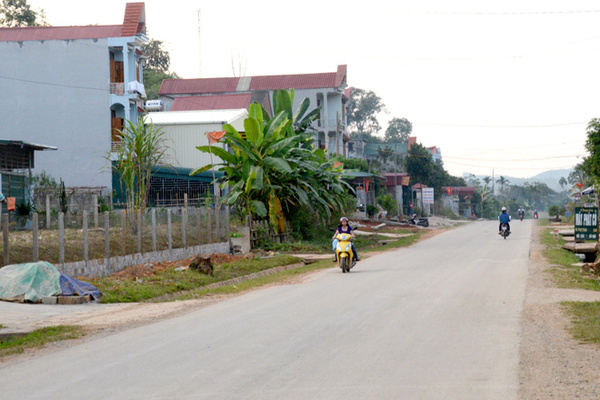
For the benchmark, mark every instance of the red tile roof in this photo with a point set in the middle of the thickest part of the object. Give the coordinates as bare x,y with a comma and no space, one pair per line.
59,33
132,24
306,81
198,86
269,82
222,102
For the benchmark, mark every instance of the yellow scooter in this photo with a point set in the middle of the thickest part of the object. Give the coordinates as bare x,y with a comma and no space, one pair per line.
344,253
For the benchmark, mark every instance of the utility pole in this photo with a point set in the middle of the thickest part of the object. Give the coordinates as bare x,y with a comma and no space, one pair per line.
199,47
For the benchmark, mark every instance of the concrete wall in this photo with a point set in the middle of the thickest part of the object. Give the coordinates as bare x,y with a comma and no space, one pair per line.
56,92
100,268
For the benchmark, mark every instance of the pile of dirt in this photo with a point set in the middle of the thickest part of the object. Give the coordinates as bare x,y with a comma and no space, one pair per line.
149,269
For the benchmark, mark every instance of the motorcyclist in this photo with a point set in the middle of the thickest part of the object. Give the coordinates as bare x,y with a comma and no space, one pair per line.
535,214
521,212
343,228
504,218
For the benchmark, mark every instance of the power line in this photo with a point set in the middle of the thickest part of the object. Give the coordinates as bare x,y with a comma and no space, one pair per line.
499,12
54,84
500,126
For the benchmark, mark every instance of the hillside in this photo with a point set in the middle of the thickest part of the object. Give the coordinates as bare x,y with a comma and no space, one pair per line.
550,178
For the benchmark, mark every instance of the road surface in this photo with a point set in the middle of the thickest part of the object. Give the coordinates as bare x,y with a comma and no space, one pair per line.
437,320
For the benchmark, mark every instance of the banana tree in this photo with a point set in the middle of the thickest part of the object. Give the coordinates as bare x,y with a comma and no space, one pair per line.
274,169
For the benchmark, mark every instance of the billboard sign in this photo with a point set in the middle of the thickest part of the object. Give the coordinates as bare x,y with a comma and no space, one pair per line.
586,223
427,195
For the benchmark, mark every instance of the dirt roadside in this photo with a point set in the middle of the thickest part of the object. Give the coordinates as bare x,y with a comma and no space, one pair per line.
553,365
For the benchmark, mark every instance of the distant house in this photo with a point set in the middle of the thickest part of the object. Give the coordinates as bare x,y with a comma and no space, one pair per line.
326,90
459,200
74,87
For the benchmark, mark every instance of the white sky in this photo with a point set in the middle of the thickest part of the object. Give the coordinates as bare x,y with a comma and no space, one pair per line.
507,87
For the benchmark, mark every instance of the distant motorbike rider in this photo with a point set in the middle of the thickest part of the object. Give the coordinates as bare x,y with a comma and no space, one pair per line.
504,218
521,212
343,228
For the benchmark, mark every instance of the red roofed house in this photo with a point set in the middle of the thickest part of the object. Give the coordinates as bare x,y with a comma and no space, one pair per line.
325,90
459,200
72,86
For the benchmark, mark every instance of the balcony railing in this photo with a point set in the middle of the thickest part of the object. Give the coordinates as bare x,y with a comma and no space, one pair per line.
115,147
117,88
331,123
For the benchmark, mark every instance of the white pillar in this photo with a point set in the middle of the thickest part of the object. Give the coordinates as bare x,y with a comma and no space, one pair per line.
325,118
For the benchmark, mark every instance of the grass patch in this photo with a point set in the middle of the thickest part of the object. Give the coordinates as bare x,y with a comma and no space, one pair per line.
39,338
564,274
585,318
171,281
257,282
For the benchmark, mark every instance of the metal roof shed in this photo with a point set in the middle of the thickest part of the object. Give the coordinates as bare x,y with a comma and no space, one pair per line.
185,130
16,162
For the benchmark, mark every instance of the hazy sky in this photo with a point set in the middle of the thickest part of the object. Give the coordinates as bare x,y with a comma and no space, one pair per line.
502,87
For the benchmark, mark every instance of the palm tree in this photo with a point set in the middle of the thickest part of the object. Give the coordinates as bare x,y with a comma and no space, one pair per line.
487,180
502,181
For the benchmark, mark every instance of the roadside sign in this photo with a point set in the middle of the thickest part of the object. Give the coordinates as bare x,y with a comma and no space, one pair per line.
586,223
427,195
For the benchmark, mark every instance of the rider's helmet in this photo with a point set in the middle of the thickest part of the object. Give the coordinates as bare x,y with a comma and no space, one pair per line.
503,208
343,219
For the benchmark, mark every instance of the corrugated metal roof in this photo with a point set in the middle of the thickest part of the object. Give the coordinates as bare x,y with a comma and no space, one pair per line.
218,102
196,117
21,143
59,33
198,86
268,82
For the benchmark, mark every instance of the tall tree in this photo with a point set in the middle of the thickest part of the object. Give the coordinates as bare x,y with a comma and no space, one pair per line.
156,67
503,182
363,107
591,164
487,180
17,13
398,130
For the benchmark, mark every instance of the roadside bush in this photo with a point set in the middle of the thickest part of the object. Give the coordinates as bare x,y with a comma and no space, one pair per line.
388,203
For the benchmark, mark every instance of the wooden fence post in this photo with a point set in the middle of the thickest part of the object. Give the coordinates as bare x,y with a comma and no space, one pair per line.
5,241
96,211
107,237
48,213
184,218
218,220
61,239
154,229
124,230
209,224
199,212
139,230
85,237
35,242
169,229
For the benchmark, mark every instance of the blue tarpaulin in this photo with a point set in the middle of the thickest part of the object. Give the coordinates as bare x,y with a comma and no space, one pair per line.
74,287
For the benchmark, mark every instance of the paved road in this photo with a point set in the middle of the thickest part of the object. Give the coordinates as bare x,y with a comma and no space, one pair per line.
438,320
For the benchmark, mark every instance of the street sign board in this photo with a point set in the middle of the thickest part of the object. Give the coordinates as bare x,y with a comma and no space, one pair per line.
427,195
586,223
